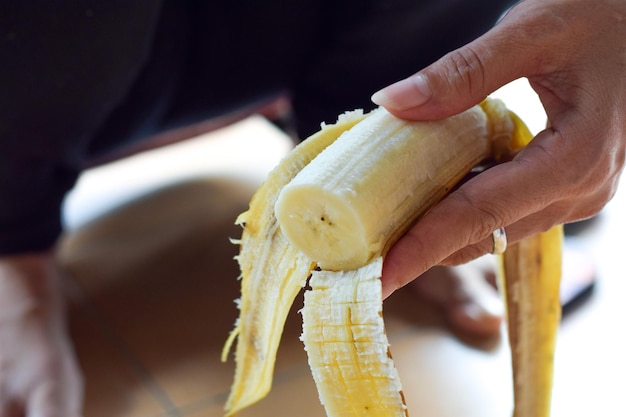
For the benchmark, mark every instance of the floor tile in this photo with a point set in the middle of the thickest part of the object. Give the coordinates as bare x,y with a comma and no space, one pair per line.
167,262
114,385
161,273
295,396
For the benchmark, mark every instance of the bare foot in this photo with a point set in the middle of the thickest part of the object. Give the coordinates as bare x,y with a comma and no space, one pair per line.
466,294
39,373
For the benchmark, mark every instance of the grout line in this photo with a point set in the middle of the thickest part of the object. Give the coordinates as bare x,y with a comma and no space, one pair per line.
80,296
217,399
221,397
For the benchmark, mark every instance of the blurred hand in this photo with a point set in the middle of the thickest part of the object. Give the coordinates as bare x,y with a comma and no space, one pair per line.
573,52
39,376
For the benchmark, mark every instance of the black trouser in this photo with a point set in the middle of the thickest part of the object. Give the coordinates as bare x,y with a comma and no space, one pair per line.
79,77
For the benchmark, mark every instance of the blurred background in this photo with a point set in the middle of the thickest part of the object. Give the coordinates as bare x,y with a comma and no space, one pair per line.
151,280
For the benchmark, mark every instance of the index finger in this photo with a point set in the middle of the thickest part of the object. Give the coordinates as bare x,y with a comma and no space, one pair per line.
495,198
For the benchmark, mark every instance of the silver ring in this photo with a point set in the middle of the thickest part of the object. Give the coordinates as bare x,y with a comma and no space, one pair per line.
499,241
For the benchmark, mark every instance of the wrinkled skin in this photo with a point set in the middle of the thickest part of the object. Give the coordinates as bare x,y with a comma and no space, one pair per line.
573,52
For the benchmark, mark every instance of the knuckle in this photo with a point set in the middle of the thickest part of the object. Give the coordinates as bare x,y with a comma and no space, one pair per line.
598,160
582,209
485,217
464,255
574,174
422,244
467,70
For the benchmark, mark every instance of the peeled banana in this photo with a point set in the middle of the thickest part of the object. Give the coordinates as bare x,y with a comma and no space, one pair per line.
329,212
356,198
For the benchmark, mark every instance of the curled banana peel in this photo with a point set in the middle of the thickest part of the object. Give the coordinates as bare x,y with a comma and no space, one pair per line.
326,216
273,271
530,281
531,273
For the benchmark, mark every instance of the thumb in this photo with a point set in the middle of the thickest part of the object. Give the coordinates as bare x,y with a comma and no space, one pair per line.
464,77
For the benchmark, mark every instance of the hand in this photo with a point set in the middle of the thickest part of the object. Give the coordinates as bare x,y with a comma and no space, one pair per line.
574,55
39,374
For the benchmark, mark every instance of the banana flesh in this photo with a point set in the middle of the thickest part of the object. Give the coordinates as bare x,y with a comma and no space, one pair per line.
355,199
343,330
344,336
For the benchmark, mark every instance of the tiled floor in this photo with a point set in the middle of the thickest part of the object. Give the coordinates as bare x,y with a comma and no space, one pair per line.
151,280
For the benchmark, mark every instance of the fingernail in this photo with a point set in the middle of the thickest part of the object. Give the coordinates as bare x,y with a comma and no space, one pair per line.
387,289
410,92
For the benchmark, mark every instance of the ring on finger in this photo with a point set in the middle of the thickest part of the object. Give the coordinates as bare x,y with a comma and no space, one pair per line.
499,241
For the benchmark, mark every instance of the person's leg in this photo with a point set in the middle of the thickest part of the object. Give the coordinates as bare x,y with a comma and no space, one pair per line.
241,53
64,71
364,46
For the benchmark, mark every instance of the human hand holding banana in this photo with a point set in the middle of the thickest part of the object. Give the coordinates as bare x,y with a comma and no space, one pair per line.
566,173
573,54
325,218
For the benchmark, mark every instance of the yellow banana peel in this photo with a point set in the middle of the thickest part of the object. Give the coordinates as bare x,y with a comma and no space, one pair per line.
330,211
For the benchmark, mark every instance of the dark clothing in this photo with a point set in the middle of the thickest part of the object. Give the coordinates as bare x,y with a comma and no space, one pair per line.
79,78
